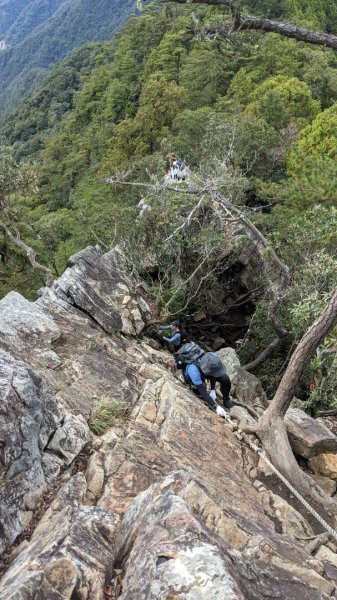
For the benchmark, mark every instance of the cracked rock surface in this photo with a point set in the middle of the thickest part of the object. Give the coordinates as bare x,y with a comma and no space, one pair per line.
160,507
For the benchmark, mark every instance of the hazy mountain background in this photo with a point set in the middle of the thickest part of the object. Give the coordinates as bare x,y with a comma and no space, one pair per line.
39,33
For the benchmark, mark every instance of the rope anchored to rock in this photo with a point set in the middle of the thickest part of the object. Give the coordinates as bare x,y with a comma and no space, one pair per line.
304,502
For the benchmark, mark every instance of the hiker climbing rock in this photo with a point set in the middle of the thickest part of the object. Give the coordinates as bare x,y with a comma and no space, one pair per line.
175,338
172,342
197,366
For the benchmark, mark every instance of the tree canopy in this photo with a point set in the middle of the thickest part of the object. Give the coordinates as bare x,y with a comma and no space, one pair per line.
252,112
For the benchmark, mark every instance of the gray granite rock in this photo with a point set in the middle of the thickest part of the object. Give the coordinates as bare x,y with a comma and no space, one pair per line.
190,524
69,554
308,437
70,437
94,284
25,324
167,552
29,417
245,386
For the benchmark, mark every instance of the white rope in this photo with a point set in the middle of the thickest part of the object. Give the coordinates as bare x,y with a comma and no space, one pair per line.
258,450
306,504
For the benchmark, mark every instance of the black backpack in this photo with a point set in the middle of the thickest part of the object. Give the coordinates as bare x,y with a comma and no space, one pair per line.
188,353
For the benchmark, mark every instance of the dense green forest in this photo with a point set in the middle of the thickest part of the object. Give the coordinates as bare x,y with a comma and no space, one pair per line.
254,114
9,12
42,32
19,19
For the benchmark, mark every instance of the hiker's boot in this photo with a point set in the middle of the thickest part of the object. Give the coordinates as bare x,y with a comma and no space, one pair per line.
228,403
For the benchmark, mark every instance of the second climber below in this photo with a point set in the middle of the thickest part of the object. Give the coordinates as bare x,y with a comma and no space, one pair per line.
174,341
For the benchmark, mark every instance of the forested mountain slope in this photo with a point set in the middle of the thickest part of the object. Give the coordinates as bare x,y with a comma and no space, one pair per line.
42,32
185,169
254,114
19,19
10,10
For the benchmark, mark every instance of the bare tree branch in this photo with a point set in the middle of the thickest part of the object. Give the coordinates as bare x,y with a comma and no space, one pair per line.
264,355
225,203
187,220
16,240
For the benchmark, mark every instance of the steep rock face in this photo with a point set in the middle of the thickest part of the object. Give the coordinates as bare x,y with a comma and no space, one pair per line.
245,386
165,507
37,436
95,285
171,554
69,552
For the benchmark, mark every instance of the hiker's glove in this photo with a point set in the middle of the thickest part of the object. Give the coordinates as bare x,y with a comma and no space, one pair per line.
220,411
213,394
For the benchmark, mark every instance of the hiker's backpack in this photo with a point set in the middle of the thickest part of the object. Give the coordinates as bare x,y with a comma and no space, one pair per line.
211,365
188,353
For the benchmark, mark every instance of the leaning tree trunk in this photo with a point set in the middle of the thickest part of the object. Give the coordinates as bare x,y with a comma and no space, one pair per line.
271,429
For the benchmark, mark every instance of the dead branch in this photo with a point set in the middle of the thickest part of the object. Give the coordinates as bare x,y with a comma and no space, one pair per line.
265,354
327,413
186,222
30,253
225,203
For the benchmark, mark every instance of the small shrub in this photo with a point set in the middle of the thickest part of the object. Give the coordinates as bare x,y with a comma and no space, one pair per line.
105,414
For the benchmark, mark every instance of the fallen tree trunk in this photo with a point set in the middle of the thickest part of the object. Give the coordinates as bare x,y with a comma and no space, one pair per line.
240,23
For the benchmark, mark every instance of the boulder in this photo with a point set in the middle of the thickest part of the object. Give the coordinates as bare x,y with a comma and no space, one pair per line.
324,464
199,315
231,361
307,436
168,552
242,415
325,554
25,324
95,285
245,386
70,437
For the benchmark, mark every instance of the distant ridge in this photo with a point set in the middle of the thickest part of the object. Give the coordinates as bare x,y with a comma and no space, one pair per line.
40,33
